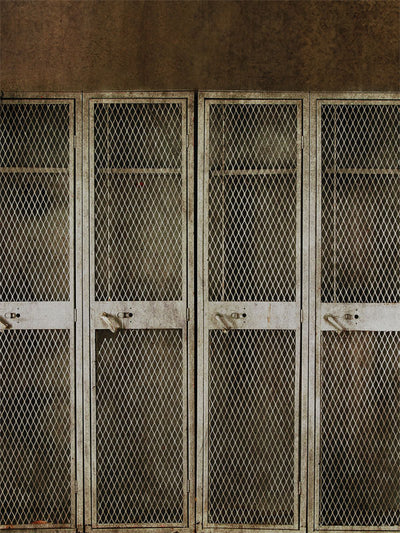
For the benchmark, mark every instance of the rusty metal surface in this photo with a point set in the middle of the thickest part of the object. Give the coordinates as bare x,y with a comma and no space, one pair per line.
223,45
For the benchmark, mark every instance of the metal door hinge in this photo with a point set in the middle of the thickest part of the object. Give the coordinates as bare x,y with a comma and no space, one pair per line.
187,314
76,486
187,142
302,142
188,485
75,315
75,141
299,488
301,316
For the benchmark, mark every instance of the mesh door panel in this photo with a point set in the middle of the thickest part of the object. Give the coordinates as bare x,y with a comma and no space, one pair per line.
139,427
34,135
252,202
35,425
251,427
138,202
360,203
253,136
138,135
360,429
35,209
360,136
138,243
34,202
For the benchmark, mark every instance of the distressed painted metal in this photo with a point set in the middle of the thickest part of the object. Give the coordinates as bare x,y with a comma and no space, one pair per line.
46,322
362,323
247,316
153,317
314,319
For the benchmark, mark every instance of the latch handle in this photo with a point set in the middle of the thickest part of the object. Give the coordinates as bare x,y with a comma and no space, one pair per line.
4,324
111,322
224,322
333,321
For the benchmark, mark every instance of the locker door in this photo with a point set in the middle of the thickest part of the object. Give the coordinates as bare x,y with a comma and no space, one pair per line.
140,205
37,295
357,367
249,367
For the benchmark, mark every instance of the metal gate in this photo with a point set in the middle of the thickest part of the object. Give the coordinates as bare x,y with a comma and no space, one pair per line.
38,339
250,312
357,366
140,188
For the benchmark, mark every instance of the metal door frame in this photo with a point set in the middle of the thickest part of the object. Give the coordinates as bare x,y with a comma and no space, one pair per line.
301,306
187,100
68,313
388,319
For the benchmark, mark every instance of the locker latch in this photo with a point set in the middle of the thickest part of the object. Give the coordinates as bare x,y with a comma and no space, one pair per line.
224,322
4,324
111,322
12,315
333,321
125,314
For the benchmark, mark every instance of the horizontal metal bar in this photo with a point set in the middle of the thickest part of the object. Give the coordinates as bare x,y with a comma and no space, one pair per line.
254,172
391,171
140,170
50,528
33,170
258,315
356,529
362,317
123,528
245,528
145,315
38,315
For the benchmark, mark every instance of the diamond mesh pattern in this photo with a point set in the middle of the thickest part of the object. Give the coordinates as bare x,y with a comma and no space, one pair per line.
360,204
34,135
360,137
139,427
252,202
35,210
138,135
34,202
253,136
360,429
251,427
138,215
252,238
35,426
138,243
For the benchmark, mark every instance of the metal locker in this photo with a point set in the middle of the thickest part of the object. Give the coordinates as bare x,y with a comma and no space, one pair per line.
140,289
39,343
354,452
250,367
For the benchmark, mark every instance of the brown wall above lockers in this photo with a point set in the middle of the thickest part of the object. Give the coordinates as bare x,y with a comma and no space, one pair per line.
271,45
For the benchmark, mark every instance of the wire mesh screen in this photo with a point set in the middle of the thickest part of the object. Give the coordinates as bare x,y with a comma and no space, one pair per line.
252,202
34,202
35,426
138,202
360,429
139,427
36,210
34,135
251,427
360,203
